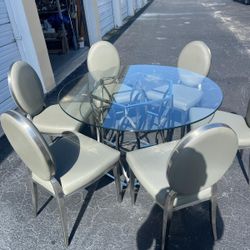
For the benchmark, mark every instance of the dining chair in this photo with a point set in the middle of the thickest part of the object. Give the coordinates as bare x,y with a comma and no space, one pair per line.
183,173
103,60
195,57
72,162
26,90
240,124
103,63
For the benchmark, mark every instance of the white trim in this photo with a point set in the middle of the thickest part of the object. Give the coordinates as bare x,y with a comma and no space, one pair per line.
92,20
30,40
117,12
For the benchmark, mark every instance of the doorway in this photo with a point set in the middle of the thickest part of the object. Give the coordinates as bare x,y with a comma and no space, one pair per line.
65,32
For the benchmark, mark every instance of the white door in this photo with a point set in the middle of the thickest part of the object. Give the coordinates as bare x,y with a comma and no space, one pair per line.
9,53
106,16
124,6
138,4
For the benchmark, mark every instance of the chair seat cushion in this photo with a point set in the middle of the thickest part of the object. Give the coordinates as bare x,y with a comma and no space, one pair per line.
53,120
149,166
157,93
185,97
79,161
121,92
237,123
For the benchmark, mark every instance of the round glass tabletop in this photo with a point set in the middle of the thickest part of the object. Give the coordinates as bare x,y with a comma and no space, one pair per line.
142,98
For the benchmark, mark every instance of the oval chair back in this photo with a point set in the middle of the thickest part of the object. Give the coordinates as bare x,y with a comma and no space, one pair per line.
28,144
103,60
26,88
195,57
201,158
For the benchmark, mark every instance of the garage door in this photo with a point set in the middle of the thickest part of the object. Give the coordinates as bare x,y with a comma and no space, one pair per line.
138,4
9,53
124,6
105,8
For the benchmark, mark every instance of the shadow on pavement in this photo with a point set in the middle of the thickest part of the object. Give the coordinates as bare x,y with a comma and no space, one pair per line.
190,229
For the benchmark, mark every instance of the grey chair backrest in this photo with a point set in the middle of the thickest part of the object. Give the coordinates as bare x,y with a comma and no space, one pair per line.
26,88
103,60
201,158
28,144
196,57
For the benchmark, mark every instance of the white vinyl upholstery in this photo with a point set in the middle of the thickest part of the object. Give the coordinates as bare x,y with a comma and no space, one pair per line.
195,57
74,160
185,97
53,120
236,122
157,93
85,161
27,92
195,163
103,60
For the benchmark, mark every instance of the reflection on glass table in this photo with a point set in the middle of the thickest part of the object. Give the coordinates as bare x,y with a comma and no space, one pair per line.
141,99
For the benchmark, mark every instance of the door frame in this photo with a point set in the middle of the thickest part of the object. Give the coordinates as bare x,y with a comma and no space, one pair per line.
29,37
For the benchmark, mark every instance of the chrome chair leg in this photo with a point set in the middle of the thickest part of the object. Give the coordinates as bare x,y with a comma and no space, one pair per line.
167,216
183,131
61,206
59,195
132,186
241,163
34,194
169,136
213,202
117,174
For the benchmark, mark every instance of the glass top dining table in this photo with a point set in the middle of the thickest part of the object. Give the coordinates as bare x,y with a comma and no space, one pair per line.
142,98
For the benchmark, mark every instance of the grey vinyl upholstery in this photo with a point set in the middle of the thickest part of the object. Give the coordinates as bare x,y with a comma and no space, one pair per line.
201,158
26,89
188,168
28,144
71,162
103,60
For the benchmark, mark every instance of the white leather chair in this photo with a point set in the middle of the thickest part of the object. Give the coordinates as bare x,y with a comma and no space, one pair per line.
103,63
74,161
103,60
183,173
194,57
26,89
241,126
